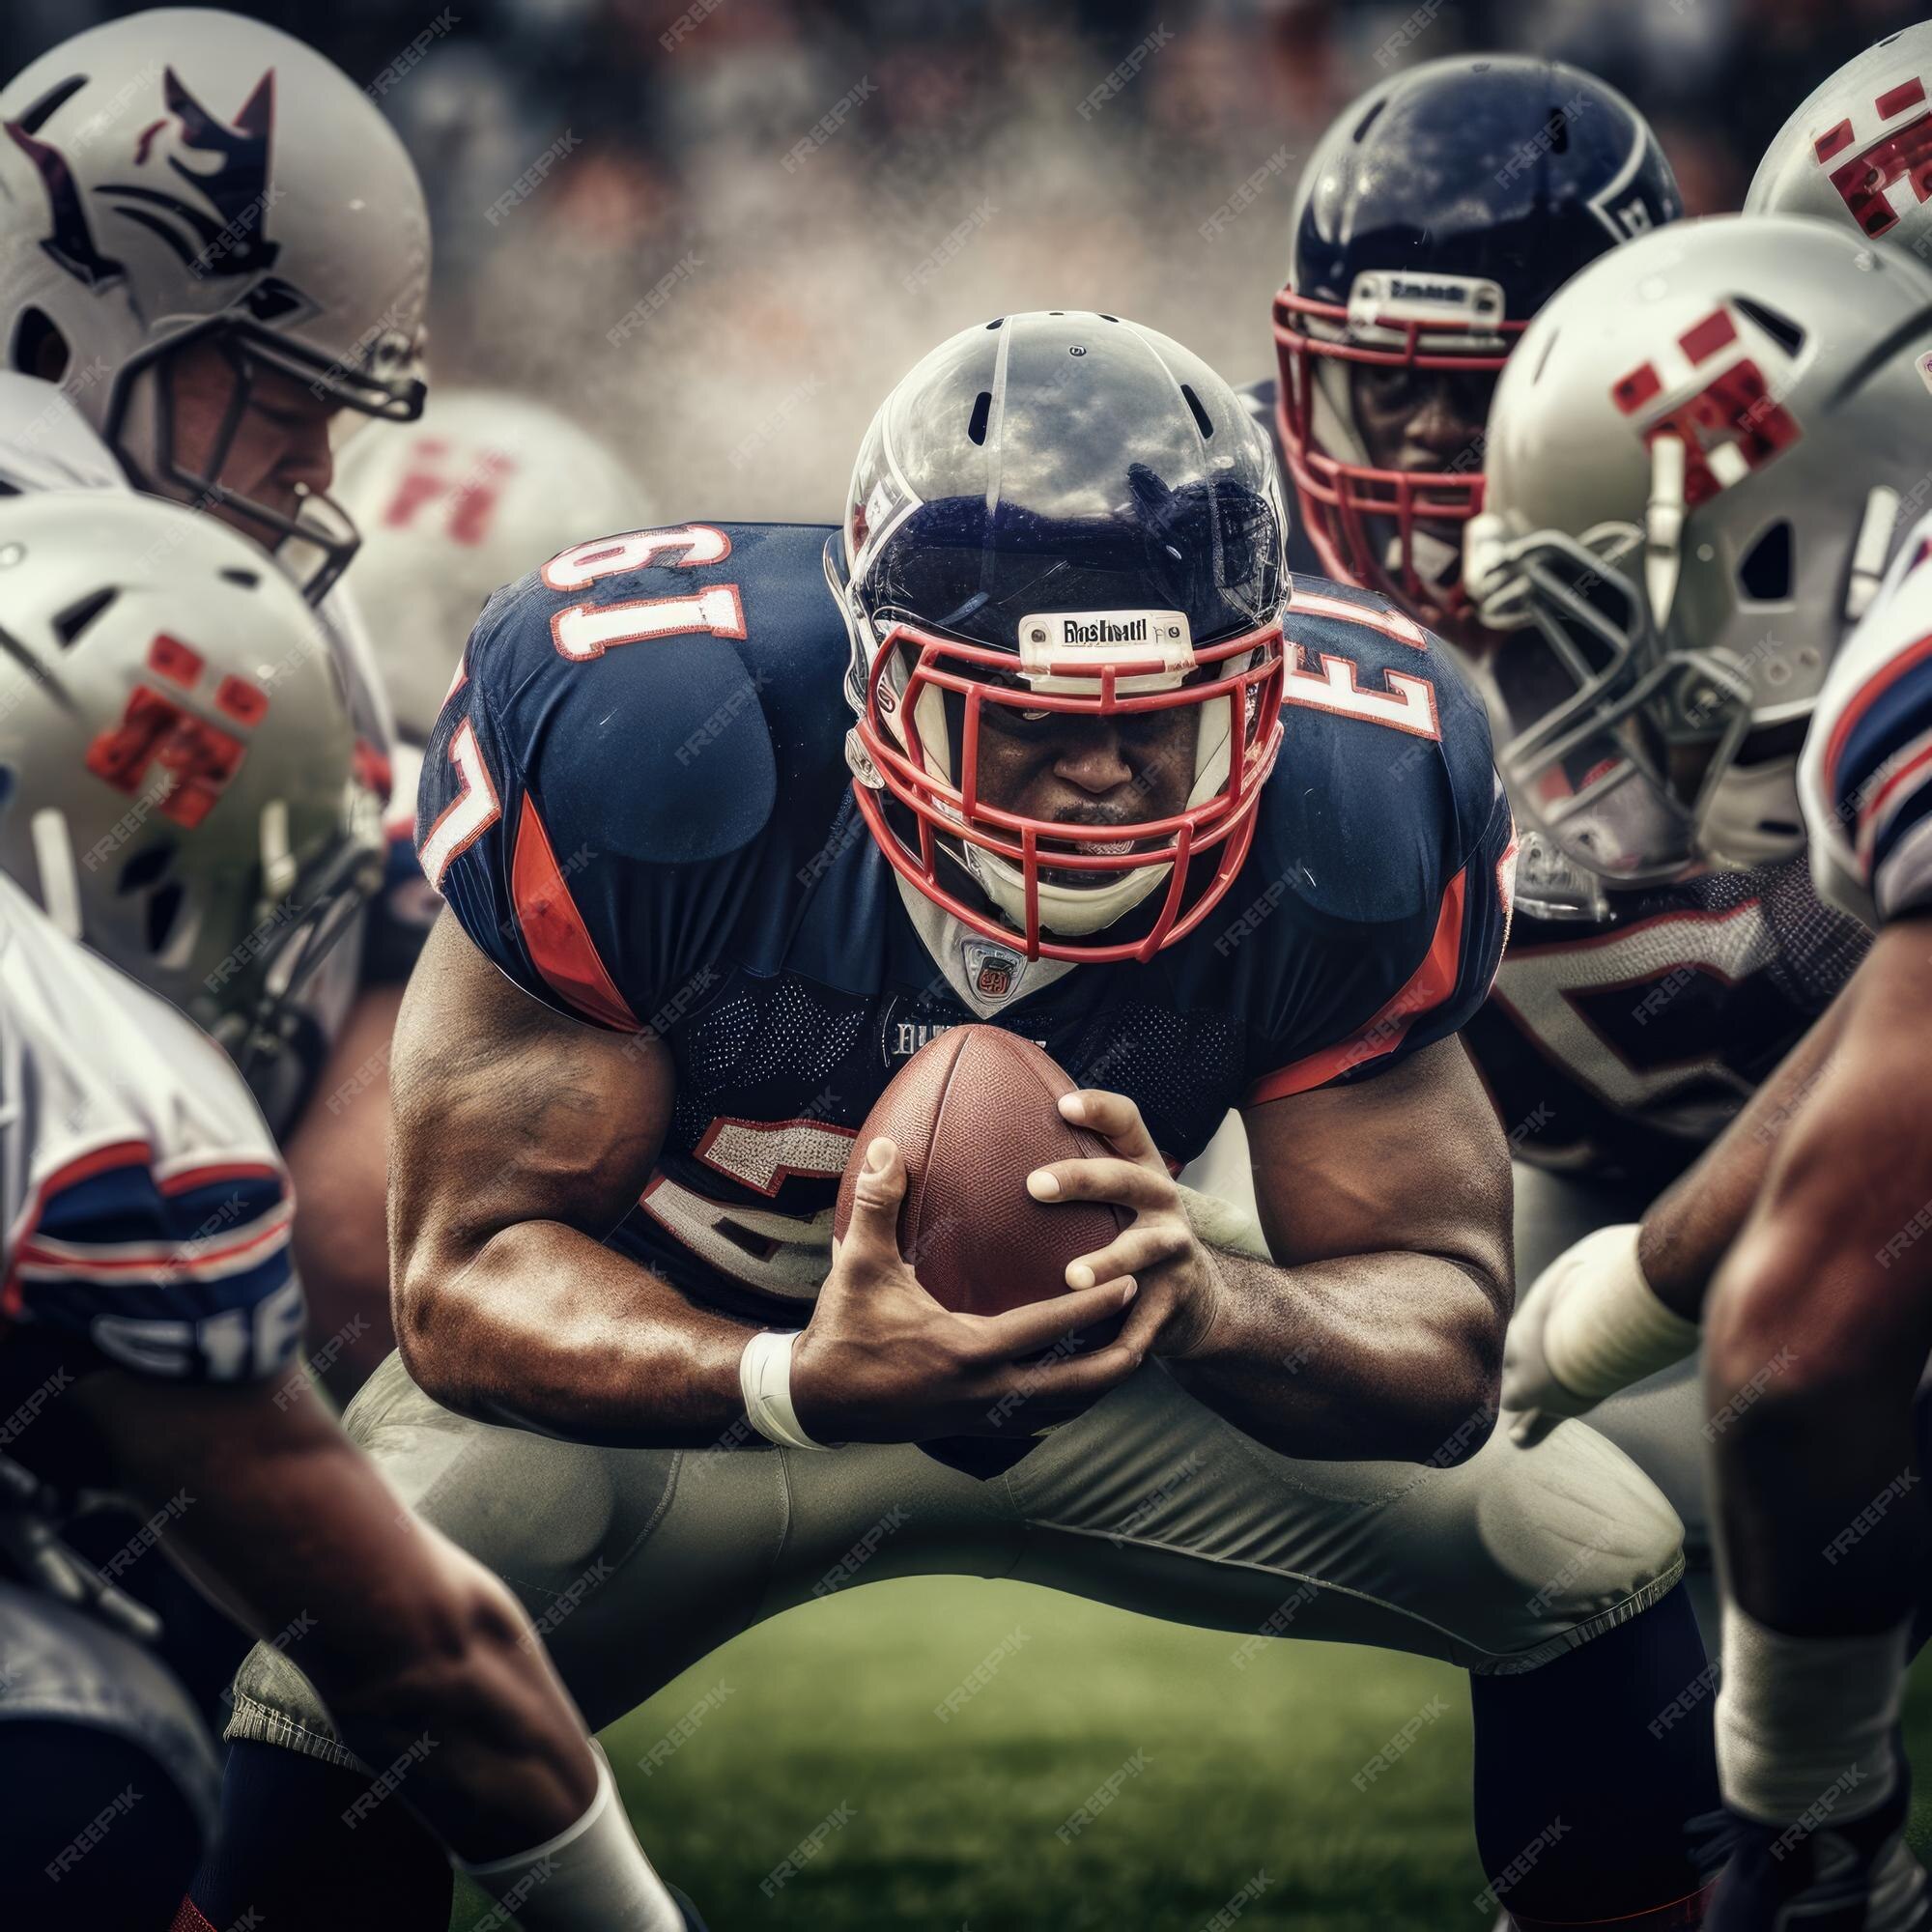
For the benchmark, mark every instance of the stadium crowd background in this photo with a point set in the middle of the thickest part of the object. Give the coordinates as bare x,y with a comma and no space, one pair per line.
716,232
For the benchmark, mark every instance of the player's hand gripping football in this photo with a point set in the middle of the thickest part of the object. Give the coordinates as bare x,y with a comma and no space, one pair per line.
1179,1282
882,1361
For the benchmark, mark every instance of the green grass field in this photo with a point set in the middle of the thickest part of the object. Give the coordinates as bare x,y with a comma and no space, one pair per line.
825,1718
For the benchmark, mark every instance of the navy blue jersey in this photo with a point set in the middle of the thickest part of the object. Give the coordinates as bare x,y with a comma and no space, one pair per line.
637,803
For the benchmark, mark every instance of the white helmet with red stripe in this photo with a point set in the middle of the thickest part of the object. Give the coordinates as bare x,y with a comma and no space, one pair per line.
1860,148
485,487
1697,461
176,758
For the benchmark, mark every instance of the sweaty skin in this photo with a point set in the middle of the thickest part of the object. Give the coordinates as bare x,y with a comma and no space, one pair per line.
1820,1322
1378,1331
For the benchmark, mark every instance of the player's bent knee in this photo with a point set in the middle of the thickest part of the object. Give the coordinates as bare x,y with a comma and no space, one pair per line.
1562,1542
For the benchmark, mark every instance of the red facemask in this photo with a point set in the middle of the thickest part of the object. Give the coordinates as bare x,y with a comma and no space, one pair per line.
940,785
1338,499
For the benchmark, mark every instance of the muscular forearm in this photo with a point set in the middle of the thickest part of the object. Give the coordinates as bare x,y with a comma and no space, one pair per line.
1691,1224
549,1329
1368,1357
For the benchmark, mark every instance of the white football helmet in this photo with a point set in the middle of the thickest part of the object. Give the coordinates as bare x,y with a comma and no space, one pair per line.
184,174
176,758
1696,458
1858,150
485,487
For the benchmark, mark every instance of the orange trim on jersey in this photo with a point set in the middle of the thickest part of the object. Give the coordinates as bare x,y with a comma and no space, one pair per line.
1430,983
1881,680
559,943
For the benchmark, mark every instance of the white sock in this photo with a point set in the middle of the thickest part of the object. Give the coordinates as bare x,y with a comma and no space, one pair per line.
1804,1723
592,1877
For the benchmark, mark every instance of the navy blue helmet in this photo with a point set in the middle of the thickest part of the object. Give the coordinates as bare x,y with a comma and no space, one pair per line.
1062,513
1436,217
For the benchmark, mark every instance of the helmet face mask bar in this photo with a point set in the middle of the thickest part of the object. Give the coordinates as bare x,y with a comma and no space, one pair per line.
319,525
1364,522
1617,774
1244,674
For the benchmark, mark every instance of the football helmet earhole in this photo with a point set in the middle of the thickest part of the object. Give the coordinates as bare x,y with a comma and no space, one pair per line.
144,868
163,909
1764,576
39,347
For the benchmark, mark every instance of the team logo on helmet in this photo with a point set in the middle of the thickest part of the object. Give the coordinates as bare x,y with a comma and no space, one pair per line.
1733,423
70,243
230,241
1901,151
218,229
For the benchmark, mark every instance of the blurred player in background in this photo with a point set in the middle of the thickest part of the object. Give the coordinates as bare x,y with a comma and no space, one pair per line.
179,759
213,260
453,507
1437,216
1698,1027
485,484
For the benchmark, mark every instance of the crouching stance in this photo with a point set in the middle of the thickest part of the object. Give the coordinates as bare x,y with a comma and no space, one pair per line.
685,952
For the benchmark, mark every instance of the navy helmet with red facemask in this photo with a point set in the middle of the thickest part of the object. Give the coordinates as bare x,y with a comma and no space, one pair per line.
1436,217
1062,514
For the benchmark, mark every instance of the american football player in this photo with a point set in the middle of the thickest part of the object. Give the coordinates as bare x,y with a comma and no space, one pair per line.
1681,598
213,260
150,1324
698,916
1438,212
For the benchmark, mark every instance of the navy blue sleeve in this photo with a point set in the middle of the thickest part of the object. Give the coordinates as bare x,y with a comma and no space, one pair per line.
1387,861
600,763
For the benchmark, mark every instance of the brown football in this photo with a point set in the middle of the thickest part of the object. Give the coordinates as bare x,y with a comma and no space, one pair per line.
973,1112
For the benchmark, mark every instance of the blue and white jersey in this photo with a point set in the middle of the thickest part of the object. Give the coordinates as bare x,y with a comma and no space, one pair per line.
147,1213
637,803
1866,777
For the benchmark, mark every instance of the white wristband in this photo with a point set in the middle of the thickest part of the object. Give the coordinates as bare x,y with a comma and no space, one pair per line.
593,1872
1609,1329
764,1381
